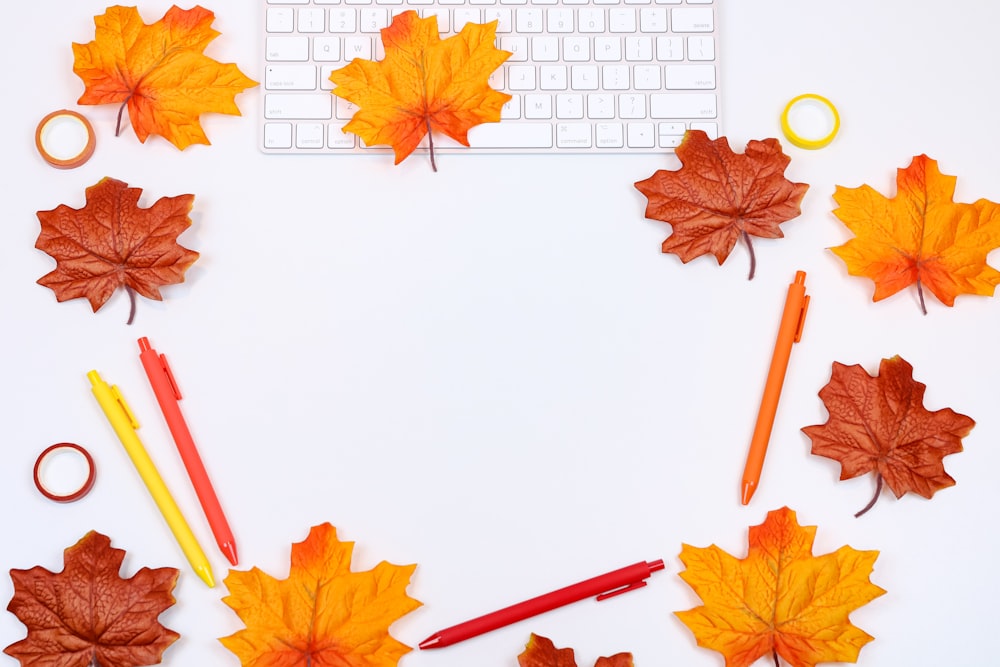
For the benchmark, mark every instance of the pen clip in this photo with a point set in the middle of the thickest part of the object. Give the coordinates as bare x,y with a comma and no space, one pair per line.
621,589
802,319
170,377
125,408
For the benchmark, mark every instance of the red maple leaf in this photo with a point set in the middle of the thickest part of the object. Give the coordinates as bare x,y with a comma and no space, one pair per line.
87,614
112,242
879,424
719,196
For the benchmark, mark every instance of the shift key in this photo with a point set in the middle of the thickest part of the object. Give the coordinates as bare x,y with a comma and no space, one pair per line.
313,106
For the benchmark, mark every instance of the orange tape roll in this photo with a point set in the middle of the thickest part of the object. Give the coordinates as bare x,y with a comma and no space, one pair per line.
65,139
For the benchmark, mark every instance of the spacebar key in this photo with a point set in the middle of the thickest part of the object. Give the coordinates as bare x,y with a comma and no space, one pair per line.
511,135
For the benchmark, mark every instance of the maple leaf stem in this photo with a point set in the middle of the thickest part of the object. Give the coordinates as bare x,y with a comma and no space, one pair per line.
878,492
774,653
753,257
121,112
430,142
131,302
920,294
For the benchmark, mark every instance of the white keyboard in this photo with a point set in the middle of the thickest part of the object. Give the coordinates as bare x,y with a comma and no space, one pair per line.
586,76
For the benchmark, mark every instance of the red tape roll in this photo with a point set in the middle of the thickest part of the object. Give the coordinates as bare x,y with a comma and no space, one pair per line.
67,497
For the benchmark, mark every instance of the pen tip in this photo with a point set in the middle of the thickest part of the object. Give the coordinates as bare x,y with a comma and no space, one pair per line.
430,642
205,573
748,489
229,551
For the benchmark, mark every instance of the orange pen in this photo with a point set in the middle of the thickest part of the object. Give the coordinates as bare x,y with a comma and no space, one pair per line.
789,333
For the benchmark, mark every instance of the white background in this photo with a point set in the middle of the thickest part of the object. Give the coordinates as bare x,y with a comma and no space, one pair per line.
492,371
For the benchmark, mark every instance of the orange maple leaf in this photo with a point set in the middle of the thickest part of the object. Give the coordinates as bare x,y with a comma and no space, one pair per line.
423,85
87,614
112,242
718,196
780,600
920,236
541,652
879,424
323,613
159,72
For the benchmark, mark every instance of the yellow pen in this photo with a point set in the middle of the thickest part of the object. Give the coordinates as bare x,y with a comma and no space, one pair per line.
124,423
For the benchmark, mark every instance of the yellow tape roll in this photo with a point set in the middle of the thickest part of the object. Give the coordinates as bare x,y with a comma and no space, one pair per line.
798,136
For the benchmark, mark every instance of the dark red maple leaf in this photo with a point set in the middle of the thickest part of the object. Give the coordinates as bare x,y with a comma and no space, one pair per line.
719,196
87,614
879,424
112,242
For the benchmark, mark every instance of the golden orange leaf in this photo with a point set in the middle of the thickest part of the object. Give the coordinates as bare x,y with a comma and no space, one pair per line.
323,613
920,236
541,652
159,72
423,85
780,600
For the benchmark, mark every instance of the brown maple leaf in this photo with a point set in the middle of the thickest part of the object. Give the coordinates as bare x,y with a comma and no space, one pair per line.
159,72
541,652
920,236
719,196
112,242
323,613
780,600
423,85
87,614
879,424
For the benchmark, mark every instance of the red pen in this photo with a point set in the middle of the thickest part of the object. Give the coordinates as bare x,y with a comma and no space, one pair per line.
603,586
168,395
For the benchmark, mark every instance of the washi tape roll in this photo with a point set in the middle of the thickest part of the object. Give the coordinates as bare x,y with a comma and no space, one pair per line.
74,490
810,121
65,139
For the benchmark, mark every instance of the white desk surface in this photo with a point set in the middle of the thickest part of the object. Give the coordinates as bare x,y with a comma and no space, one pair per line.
492,371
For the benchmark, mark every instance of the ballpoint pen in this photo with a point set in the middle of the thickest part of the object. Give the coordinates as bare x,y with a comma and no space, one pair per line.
124,423
167,395
789,333
603,587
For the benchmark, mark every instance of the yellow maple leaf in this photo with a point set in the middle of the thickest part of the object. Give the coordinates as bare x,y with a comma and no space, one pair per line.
159,72
423,85
323,613
920,236
780,600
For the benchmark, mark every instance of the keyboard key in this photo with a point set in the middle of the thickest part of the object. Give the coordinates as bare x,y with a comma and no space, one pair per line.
521,77
631,106
653,19
640,135
689,77
621,20
280,19
711,129
639,49
290,77
312,19
600,106
692,19
326,48
277,135
607,49
538,106
573,135
610,135
511,135
545,49
569,106
584,77
683,105
309,135
701,47
553,77
647,77
291,48
316,106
